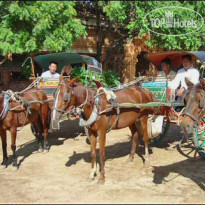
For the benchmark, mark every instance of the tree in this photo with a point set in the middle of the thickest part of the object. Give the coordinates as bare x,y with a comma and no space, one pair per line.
33,26
129,16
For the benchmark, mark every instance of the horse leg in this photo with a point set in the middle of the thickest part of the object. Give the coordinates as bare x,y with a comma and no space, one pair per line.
102,136
143,120
40,139
4,148
13,146
45,130
134,142
93,141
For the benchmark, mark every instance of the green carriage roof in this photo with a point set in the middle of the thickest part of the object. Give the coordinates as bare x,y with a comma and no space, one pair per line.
65,58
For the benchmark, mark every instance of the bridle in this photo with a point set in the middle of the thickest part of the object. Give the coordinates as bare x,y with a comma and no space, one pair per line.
67,98
201,105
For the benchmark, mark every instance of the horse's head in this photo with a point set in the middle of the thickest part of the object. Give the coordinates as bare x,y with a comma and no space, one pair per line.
195,105
64,100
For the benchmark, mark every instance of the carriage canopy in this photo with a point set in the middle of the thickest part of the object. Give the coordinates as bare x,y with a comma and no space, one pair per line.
174,56
68,58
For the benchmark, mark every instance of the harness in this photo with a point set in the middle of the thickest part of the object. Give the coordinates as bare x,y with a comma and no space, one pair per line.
10,95
201,104
110,96
67,98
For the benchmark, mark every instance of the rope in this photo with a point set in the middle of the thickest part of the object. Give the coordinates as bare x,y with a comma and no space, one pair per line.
31,85
86,100
121,86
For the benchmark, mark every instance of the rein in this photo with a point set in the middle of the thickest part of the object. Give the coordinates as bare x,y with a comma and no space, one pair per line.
67,98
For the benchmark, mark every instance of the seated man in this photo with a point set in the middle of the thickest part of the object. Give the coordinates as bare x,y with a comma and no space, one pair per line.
188,71
51,73
166,69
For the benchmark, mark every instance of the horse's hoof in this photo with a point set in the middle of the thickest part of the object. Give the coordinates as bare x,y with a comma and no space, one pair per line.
129,159
14,168
40,150
147,165
87,141
91,179
45,150
101,181
3,166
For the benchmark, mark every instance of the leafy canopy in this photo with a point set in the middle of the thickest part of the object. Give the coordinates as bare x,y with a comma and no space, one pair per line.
33,26
86,77
129,15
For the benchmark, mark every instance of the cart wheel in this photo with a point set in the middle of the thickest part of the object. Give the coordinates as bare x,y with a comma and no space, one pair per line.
199,138
155,141
187,148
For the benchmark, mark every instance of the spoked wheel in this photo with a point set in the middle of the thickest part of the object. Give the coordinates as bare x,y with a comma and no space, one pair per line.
165,127
187,148
199,138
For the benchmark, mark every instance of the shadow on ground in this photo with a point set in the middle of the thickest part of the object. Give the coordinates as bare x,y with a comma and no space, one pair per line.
189,168
69,130
117,150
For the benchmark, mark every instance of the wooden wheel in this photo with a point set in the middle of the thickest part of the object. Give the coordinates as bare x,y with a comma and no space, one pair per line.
199,138
186,147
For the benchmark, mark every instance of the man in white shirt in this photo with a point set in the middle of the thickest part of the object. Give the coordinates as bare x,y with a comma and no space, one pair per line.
189,72
51,73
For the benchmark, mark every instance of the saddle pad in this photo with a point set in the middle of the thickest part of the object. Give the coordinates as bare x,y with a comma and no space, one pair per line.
6,106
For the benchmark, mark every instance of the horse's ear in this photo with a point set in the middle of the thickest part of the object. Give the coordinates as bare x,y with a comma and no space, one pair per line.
189,83
73,81
98,83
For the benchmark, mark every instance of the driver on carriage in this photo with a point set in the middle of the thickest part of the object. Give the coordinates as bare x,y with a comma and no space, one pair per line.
51,73
188,71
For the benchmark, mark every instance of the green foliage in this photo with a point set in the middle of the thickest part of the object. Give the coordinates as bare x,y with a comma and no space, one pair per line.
108,78
26,71
33,26
129,16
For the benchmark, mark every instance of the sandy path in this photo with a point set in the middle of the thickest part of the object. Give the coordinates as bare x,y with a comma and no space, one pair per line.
61,176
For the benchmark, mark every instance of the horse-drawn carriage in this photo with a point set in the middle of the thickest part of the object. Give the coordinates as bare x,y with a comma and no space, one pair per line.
166,97
40,64
158,125
74,59
148,100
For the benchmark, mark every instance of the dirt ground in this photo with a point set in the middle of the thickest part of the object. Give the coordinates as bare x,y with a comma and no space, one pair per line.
61,176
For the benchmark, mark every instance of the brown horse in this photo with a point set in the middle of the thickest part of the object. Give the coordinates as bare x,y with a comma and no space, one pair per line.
71,94
195,105
18,116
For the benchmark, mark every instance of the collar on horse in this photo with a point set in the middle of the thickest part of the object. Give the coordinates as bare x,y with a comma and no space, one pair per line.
111,98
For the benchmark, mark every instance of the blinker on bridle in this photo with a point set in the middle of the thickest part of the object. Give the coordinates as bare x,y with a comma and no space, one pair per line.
67,97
